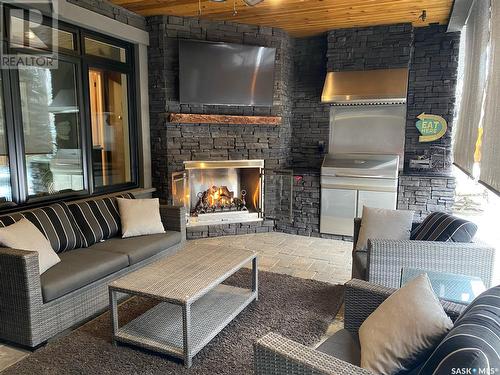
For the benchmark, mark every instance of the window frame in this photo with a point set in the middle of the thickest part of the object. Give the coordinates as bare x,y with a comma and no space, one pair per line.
10,131
91,61
82,62
46,21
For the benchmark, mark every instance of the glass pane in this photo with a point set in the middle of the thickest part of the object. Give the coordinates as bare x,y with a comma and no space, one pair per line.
51,129
110,127
278,194
180,193
5,191
28,34
101,49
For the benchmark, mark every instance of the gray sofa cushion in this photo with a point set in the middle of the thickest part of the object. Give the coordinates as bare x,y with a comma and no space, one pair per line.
359,264
343,345
140,248
79,268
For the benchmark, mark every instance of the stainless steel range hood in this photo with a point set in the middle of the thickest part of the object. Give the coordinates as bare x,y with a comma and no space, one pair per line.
366,87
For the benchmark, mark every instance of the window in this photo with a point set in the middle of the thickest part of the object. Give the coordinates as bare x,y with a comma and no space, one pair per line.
5,189
72,130
106,50
51,128
29,35
110,127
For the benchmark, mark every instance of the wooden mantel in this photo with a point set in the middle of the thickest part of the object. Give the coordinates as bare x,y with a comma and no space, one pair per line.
186,118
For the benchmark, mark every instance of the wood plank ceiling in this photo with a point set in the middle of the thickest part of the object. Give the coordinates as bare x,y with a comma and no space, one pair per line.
302,17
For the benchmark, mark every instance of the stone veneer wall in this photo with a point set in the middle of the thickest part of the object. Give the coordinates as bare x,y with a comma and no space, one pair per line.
431,89
116,12
366,48
310,117
172,144
204,231
426,194
302,140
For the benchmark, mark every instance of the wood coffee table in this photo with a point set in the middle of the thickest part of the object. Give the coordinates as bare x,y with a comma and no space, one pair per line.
194,306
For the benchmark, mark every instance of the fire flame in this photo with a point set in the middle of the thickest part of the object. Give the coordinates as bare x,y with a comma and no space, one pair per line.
255,196
219,196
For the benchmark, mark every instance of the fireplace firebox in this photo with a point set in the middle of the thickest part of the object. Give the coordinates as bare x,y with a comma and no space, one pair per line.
216,192
230,191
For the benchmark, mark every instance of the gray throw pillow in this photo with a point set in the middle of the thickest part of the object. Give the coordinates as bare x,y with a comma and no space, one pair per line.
384,224
403,329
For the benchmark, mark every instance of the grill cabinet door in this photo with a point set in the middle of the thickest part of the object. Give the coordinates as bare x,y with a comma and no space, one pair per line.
278,194
338,210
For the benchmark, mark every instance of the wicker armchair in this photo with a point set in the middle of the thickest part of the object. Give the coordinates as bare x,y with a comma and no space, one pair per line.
274,354
382,262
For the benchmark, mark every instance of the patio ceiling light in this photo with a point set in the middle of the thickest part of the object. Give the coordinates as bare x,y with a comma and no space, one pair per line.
252,2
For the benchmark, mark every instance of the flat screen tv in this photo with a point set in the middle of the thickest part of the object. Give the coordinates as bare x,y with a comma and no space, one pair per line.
225,74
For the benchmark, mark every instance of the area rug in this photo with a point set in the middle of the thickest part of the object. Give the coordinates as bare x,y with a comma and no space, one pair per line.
296,308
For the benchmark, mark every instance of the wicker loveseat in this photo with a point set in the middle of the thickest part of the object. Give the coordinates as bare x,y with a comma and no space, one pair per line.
383,261
340,354
34,308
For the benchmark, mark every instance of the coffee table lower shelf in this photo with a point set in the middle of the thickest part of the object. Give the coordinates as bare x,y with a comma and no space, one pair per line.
161,328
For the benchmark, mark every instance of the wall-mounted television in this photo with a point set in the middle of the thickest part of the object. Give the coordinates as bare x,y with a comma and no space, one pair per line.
225,74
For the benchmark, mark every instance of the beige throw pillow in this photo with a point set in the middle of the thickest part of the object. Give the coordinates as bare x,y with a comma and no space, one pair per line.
140,217
384,224
405,327
24,235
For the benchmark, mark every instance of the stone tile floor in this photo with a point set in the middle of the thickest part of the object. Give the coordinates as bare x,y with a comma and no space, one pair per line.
305,257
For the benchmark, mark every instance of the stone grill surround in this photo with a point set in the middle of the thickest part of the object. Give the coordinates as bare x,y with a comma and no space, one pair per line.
430,53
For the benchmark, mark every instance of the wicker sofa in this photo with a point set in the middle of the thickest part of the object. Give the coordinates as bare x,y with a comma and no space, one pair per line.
340,354
382,262
34,308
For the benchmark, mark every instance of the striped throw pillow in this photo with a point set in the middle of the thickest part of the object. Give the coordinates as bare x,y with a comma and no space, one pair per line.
440,226
98,219
473,343
55,222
